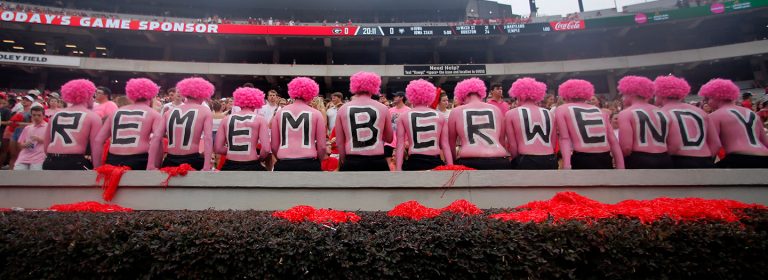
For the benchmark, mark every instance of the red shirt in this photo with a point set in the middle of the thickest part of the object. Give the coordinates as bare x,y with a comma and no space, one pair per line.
747,104
503,106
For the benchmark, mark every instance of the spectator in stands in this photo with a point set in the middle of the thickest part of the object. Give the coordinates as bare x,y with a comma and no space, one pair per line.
272,105
188,123
299,133
121,101
5,116
383,100
423,130
135,131
363,126
73,129
743,138
103,106
176,101
549,101
398,109
497,98
763,112
16,125
318,104
242,132
597,149
479,126
32,141
690,135
705,106
746,100
530,129
337,99
643,127
54,104
443,105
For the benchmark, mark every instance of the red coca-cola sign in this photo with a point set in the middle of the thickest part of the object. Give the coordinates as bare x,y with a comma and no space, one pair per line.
567,25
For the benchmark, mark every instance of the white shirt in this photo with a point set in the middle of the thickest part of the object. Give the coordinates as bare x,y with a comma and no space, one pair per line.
268,111
168,106
331,113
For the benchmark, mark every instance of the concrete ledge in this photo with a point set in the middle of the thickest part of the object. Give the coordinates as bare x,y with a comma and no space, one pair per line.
375,190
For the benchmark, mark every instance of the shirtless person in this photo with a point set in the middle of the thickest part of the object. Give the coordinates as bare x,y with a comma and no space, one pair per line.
187,123
241,132
424,129
72,129
363,126
738,129
479,127
643,128
530,129
586,136
690,135
298,130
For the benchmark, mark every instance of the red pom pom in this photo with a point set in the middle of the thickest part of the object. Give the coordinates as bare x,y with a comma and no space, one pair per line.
174,171
301,213
413,210
463,207
89,206
111,176
452,168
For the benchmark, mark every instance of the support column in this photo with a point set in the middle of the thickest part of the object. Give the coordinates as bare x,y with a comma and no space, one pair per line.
610,79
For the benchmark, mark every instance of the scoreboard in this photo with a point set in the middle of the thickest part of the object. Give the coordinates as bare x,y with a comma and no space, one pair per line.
458,30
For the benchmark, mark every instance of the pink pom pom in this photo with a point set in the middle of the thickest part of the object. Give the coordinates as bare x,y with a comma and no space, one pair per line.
141,89
303,88
720,89
467,86
195,88
420,92
246,97
576,89
637,86
528,89
78,91
365,82
671,87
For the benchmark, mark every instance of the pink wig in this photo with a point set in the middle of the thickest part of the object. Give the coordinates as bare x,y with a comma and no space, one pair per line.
78,91
303,88
720,89
671,87
467,86
365,82
528,89
141,89
420,92
246,97
637,86
195,88
576,89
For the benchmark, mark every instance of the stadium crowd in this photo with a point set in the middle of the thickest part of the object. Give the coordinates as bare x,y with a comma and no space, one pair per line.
650,126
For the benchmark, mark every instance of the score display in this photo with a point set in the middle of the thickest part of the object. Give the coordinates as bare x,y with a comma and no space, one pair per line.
458,30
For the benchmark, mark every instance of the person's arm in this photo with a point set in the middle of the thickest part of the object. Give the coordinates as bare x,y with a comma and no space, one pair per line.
207,140
510,132
275,137
156,143
321,135
452,133
389,134
97,148
566,148
23,138
104,133
626,133
341,138
218,143
713,135
264,138
616,149
400,143
444,143
47,138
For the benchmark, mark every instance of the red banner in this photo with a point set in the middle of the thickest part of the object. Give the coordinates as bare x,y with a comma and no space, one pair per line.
568,25
167,26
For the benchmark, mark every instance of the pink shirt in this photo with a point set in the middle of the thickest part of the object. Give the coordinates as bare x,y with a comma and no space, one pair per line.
480,129
71,130
395,113
643,128
739,130
363,125
689,132
502,105
35,154
530,130
426,131
585,128
240,133
105,109
134,129
298,131
185,125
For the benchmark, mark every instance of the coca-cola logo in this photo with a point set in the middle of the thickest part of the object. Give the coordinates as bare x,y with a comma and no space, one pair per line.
567,25
717,8
641,18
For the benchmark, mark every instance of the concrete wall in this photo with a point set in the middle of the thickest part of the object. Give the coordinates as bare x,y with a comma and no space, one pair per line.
375,190
500,69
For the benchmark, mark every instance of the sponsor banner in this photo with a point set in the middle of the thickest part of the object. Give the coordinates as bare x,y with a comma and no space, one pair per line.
38,59
568,25
444,69
167,26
